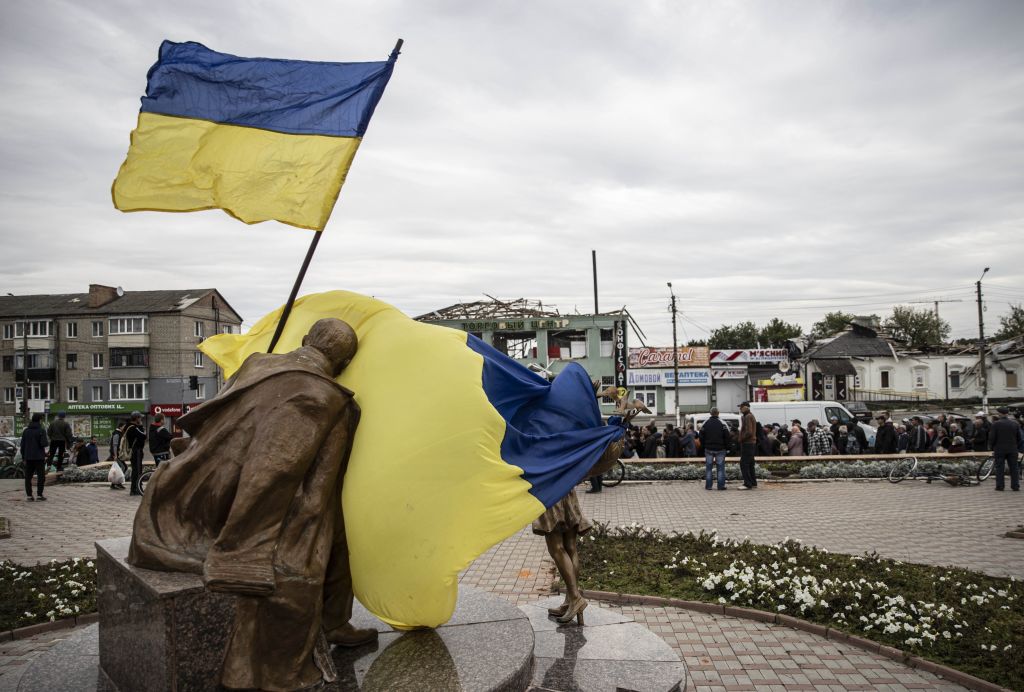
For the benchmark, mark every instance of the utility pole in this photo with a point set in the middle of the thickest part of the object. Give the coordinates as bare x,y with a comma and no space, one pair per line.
981,348
936,302
24,372
675,352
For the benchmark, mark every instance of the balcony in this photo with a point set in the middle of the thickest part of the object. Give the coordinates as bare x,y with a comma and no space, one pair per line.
36,375
128,341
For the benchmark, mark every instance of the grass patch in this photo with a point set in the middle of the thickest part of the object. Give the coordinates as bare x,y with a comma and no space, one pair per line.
963,619
43,593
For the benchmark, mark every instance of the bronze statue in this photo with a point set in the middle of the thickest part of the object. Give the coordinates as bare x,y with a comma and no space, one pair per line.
561,525
563,522
253,503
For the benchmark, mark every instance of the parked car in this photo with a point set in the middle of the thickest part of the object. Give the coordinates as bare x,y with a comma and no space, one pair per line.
860,411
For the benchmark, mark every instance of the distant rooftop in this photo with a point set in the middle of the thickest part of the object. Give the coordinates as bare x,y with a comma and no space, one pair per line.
104,300
499,309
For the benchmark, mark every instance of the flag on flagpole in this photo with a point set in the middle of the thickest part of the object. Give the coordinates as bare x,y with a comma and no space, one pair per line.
259,138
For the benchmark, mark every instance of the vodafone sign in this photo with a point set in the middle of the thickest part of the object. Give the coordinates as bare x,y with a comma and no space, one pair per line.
172,410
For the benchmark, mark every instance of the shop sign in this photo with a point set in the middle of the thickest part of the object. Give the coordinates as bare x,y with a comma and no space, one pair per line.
621,354
751,355
729,373
650,357
101,407
688,377
172,410
513,325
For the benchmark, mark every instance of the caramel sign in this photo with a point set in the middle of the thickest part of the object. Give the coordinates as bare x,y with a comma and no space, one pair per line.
688,356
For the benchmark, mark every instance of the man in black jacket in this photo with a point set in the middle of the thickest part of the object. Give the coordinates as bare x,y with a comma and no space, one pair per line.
159,439
61,436
1003,439
136,436
885,438
33,451
714,440
918,436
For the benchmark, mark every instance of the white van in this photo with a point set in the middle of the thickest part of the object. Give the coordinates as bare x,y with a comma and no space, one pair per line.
730,419
784,412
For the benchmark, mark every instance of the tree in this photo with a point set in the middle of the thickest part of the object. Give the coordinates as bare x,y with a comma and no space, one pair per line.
1011,325
742,335
830,324
776,333
918,327
697,342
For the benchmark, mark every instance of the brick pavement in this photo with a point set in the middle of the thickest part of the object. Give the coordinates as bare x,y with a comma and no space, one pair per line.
723,653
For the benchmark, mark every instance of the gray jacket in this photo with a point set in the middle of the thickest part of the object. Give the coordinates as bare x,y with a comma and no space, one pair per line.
59,431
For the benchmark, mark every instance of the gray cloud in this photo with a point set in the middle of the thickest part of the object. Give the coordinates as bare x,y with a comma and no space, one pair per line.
770,159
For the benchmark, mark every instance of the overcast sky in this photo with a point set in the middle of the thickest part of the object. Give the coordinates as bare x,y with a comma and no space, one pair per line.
768,158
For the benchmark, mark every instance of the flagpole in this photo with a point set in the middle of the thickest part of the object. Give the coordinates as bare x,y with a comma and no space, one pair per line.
309,254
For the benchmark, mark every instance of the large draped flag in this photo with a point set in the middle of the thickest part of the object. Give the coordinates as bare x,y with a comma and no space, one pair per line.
458,447
259,138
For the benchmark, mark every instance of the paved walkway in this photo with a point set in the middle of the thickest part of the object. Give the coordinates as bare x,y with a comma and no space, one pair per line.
900,521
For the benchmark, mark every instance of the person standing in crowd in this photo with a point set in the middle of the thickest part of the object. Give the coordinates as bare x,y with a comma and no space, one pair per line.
688,442
93,450
979,440
819,442
902,439
714,440
1004,439
796,440
33,452
136,437
115,440
652,442
673,449
159,439
885,438
60,436
918,437
748,442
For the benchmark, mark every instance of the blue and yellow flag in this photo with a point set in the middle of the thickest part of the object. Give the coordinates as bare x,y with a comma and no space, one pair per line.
259,138
458,447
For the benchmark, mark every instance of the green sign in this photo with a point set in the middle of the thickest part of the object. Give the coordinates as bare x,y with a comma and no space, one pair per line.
101,407
102,428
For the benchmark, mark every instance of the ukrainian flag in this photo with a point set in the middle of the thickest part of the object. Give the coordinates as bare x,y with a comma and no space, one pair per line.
259,138
458,447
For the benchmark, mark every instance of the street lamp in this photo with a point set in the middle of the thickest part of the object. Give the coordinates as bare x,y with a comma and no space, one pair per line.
981,347
675,352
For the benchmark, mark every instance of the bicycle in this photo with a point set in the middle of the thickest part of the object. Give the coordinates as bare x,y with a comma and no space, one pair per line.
613,476
907,467
985,468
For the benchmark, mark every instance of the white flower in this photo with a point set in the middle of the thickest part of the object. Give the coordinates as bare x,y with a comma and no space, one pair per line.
781,608
913,640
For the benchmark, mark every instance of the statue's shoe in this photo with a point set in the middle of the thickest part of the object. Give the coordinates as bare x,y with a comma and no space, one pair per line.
350,636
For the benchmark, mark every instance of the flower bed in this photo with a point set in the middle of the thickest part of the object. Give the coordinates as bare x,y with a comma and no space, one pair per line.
47,592
854,468
963,619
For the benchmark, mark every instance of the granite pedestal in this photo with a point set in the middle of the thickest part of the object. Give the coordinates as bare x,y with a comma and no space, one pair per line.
163,631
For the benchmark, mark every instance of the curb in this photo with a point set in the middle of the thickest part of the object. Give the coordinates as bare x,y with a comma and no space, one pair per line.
39,628
953,675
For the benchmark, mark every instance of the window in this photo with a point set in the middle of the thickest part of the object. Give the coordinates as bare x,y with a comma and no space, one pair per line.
886,381
516,344
97,393
201,390
34,328
72,330
227,329
858,377
72,361
568,344
835,411
920,378
97,328
40,390
128,391
607,343
8,363
72,393
199,329
128,325
97,361
199,359
1011,379
9,331
954,379
9,395
35,360
129,358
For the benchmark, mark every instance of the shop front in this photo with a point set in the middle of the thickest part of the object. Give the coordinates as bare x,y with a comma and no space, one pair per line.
99,418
